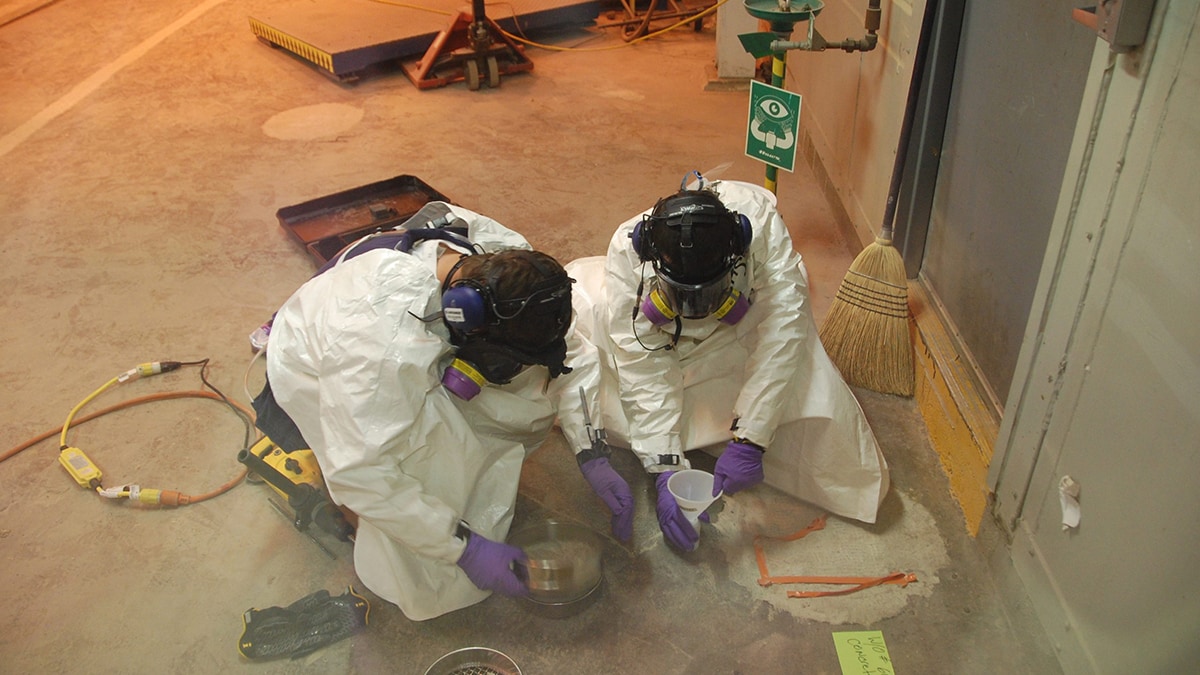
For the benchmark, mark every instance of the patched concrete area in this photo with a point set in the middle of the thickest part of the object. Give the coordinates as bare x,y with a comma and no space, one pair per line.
840,549
313,122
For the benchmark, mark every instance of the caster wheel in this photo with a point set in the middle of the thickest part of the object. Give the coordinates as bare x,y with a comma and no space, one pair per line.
493,72
472,75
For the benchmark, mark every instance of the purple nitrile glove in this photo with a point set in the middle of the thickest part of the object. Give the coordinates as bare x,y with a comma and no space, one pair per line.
615,493
674,525
739,467
489,565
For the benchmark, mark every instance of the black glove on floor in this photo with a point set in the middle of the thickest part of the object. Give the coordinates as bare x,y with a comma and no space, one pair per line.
312,622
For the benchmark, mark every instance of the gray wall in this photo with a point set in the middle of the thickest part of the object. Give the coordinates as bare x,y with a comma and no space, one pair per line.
1019,77
1068,195
1107,387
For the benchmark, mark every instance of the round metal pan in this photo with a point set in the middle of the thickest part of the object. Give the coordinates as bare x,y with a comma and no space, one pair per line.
564,568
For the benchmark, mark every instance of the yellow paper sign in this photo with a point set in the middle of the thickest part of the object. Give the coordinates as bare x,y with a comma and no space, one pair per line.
863,653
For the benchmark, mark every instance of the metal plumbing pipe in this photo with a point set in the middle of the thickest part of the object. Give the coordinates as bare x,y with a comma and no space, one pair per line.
817,43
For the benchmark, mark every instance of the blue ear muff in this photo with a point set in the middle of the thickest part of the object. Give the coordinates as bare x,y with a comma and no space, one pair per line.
743,234
464,306
641,237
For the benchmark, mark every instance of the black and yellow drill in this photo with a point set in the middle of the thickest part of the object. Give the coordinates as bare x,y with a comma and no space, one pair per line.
296,476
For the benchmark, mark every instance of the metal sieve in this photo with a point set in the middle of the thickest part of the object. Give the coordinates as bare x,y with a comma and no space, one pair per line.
474,661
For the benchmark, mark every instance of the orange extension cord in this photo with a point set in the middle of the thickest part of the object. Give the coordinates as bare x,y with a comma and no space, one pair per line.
182,499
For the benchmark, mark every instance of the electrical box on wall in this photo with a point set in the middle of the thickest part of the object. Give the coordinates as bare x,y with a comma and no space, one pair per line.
1120,23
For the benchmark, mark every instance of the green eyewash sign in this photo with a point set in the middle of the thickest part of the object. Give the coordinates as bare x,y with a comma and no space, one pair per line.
772,125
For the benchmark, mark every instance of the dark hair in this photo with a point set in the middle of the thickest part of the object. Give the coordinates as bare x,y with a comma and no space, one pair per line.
529,301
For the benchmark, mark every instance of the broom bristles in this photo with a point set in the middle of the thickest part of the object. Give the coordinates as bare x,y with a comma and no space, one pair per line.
866,332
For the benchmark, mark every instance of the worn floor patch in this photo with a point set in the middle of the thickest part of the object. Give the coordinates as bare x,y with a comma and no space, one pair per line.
912,545
313,122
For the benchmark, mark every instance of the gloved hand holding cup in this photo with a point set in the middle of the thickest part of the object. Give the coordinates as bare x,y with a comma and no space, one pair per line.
683,497
674,525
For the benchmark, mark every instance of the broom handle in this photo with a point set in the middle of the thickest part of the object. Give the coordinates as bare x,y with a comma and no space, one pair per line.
910,112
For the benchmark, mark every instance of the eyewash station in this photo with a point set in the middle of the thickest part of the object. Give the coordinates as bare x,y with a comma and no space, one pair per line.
782,17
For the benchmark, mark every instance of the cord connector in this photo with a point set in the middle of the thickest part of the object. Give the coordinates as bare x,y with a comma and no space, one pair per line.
148,369
156,497
147,496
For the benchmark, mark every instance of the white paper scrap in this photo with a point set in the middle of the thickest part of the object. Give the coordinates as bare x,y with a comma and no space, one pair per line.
1068,496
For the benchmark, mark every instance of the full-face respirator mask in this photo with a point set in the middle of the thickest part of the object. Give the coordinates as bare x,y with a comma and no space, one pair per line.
694,244
492,334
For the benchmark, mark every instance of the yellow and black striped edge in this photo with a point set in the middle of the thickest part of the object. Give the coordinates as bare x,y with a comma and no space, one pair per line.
300,48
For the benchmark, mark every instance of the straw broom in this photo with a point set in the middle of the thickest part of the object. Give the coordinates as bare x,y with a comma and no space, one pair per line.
866,332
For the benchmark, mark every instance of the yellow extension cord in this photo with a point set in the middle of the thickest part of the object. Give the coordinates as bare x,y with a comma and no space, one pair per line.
88,476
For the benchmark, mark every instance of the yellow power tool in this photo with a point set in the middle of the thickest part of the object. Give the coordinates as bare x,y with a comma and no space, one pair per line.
296,477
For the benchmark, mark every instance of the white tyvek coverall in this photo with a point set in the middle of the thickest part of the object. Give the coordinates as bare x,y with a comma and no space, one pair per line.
769,371
361,376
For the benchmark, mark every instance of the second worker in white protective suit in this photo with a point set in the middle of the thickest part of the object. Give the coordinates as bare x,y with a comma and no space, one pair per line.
696,330
414,366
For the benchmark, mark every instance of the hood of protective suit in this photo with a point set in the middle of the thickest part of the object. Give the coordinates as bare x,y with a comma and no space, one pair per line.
353,364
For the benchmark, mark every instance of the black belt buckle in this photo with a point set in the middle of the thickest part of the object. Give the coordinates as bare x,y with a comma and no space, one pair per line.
668,460
598,449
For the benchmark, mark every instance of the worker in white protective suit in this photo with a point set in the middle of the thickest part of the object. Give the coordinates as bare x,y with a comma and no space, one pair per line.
696,331
414,366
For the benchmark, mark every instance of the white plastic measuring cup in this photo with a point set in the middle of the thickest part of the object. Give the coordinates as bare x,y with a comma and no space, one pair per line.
692,490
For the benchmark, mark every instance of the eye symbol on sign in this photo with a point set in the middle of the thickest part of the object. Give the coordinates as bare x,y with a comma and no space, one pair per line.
772,123
774,108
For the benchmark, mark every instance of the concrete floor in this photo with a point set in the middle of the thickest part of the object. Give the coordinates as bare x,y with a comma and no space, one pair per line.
146,148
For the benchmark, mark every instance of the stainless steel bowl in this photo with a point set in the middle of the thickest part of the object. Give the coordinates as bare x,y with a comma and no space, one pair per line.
564,562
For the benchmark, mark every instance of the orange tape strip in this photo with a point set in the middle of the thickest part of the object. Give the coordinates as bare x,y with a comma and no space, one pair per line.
860,583
900,578
893,578
818,523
